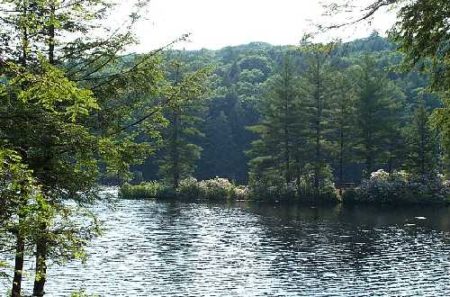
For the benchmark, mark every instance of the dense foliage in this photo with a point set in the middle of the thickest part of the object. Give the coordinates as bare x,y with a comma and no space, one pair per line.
299,122
400,187
217,189
72,108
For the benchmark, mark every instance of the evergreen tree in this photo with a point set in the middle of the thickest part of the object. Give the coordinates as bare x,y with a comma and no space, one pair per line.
59,110
280,128
179,152
343,122
422,140
23,210
377,112
317,90
422,32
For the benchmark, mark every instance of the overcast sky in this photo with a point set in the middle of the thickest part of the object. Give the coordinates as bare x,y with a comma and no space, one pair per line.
218,23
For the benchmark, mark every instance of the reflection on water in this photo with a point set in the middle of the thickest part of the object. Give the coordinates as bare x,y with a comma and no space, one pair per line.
178,249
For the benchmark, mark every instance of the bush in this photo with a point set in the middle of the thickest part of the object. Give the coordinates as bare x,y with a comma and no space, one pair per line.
274,187
400,188
218,188
242,193
188,189
151,189
212,189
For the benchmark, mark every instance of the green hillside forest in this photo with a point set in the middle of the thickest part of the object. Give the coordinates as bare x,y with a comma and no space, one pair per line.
297,122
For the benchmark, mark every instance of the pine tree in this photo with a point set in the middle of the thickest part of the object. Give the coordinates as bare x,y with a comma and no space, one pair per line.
422,144
280,130
317,90
343,122
179,151
377,111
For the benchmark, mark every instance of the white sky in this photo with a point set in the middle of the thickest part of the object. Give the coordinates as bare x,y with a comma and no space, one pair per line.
218,23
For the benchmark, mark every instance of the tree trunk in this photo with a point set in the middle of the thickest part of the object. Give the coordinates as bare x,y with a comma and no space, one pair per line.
369,153
298,173
18,266
318,120
41,244
368,164
286,140
24,39
341,161
51,35
20,244
175,152
41,265
422,149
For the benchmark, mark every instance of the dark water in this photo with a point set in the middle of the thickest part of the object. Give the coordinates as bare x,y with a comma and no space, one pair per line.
181,249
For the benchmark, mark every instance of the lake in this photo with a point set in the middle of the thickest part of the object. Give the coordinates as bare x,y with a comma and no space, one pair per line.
154,248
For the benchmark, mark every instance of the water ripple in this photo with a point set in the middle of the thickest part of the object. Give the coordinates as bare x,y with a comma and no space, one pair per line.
175,249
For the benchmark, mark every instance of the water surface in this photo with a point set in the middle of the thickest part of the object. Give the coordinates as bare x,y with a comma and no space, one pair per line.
186,249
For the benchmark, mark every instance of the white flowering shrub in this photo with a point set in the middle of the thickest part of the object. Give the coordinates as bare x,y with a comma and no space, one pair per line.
212,189
189,188
242,193
379,175
401,187
217,188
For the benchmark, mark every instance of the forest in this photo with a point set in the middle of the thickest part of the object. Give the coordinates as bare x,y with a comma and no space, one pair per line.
363,121
298,122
